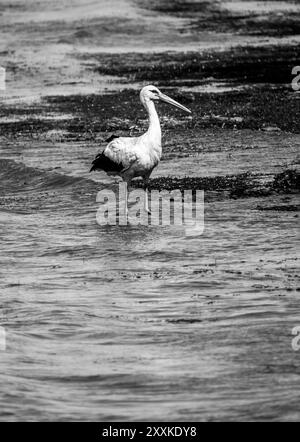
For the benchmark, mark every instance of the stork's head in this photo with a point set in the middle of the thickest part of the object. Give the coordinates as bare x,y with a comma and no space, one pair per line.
152,93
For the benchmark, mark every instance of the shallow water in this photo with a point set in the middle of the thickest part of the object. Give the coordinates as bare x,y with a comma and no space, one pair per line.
143,322
140,323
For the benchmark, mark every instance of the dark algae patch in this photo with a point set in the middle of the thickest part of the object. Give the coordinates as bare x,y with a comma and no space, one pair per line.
213,16
262,76
281,208
288,180
254,109
233,186
272,64
121,113
260,96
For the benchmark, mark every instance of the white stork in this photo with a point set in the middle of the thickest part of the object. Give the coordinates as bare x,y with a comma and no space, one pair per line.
131,157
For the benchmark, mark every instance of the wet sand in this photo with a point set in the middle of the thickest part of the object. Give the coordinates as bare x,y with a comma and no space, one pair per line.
149,323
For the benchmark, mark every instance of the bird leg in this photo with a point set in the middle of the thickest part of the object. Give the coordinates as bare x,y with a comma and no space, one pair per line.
146,183
127,180
126,199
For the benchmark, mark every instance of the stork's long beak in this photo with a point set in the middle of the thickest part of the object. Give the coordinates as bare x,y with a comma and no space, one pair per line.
174,103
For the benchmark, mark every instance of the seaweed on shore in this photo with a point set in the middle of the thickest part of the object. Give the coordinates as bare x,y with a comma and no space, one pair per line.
96,114
234,186
289,180
272,64
213,16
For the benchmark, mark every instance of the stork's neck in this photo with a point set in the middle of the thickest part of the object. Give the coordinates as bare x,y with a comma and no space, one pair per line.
154,124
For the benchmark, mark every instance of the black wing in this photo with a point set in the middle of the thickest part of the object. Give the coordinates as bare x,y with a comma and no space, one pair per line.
102,162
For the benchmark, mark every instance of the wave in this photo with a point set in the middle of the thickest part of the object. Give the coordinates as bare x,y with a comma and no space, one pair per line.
15,177
26,190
